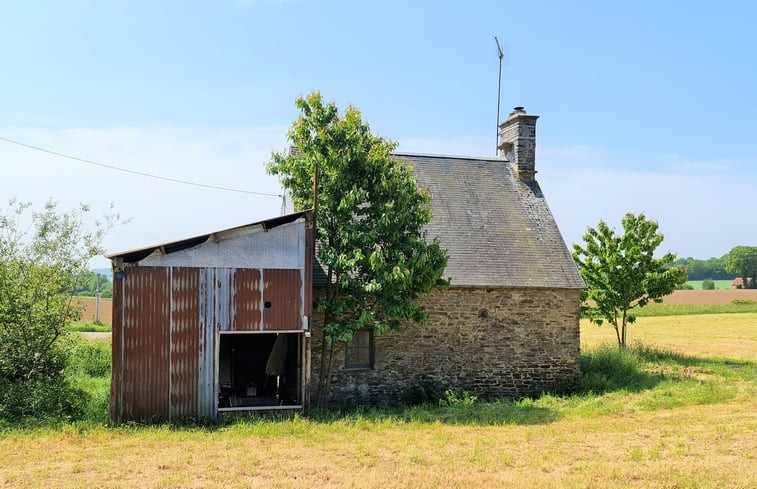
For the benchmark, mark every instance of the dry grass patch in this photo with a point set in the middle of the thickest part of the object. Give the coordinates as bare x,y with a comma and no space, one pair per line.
707,335
644,417
701,446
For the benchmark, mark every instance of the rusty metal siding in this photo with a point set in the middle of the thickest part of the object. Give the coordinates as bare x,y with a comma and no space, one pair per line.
222,294
146,343
207,390
282,299
246,300
116,387
185,341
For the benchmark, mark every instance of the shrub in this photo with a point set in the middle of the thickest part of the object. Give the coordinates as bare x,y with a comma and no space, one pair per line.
90,358
40,400
708,284
457,398
685,287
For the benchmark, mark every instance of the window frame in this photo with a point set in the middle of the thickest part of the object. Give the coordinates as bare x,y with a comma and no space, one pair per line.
354,351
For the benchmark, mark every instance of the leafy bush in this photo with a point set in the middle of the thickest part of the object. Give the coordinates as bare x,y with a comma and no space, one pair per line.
708,284
40,400
684,286
91,358
457,398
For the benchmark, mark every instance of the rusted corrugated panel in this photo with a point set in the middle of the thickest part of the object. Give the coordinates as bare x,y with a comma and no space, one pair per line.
222,294
282,299
246,300
146,343
185,339
116,389
207,397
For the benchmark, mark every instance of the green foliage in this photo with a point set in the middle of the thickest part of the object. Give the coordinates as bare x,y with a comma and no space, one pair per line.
38,272
708,284
457,398
370,219
621,272
38,400
713,268
685,286
92,283
80,393
43,257
742,260
90,358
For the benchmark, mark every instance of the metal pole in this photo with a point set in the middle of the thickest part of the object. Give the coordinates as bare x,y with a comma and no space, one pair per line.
97,298
499,92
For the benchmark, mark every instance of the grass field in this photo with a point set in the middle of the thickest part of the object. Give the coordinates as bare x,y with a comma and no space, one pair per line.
719,284
678,412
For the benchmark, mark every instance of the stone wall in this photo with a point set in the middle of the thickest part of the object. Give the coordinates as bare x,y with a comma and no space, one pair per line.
496,343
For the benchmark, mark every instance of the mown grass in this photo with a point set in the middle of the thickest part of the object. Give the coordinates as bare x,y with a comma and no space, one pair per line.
656,310
657,414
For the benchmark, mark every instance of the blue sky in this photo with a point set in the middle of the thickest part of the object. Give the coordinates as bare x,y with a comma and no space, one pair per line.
645,106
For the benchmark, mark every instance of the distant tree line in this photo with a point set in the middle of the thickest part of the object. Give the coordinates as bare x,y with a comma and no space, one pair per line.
712,268
741,261
90,282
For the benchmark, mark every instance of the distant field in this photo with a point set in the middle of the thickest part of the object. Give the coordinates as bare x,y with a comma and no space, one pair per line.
88,314
719,284
709,296
709,335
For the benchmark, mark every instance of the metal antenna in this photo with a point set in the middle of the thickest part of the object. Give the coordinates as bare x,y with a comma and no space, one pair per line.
499,90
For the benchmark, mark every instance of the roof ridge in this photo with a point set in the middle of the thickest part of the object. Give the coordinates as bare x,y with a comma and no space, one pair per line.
450,157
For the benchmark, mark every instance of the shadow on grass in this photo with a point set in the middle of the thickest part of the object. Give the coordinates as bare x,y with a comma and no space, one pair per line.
605,369
608,368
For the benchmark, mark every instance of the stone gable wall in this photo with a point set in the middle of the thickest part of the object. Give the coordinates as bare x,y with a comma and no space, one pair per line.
495,343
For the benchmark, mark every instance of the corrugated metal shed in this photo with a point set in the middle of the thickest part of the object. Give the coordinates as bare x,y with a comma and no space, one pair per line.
172,302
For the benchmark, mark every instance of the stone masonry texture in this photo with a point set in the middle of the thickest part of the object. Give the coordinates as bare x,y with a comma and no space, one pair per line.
495,343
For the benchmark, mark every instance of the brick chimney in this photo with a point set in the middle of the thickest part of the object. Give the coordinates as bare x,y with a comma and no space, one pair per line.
517,142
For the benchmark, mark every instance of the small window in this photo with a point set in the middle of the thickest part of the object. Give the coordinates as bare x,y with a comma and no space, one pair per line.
359,351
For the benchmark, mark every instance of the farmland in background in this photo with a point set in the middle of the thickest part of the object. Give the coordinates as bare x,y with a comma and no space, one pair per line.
719,284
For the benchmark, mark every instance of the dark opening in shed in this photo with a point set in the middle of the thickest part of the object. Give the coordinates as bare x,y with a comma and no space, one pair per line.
259,370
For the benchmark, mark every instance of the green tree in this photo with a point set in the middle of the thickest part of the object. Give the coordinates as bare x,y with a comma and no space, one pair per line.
742,260
708,284
93,283
39,270
370,224
621,272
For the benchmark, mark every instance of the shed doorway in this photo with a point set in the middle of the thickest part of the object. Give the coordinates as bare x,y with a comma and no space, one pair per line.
260,371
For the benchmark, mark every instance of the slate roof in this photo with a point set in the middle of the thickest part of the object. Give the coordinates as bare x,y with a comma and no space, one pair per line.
497,229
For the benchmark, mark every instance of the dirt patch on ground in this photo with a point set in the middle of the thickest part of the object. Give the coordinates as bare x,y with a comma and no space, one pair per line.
88,314
709,296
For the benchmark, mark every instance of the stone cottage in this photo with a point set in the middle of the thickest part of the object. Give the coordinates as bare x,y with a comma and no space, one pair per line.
508,325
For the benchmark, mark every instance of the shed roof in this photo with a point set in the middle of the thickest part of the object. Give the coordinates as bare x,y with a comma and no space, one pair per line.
138,254
497,229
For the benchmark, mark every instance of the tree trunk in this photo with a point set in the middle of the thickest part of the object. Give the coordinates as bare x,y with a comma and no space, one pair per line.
325,367
625,322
